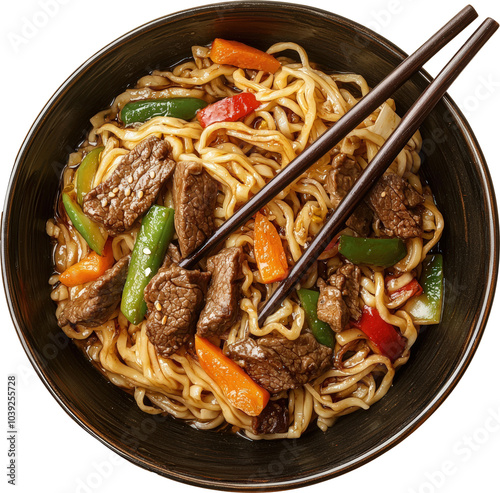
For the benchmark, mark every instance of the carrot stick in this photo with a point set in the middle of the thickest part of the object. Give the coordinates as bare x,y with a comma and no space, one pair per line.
89,268
240,390
242,56
269,252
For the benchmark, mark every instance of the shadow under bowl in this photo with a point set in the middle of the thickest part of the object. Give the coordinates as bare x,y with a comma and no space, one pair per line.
454,166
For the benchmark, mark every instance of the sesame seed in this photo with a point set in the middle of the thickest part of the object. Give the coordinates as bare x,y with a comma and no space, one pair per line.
115,190
152,174
158,306
147,271
111,195
127,192
164,320
382,194
130,179
140,194
104,202
146,251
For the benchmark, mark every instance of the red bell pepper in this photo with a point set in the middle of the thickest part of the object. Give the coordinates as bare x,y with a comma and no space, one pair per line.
413,288
228,109
384,336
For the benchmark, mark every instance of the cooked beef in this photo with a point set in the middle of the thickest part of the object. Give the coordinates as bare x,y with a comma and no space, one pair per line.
338,300
341,177
332,308
413,197
397,206
273,419
99,300
278,364
195,194
343,174
361,220
174,298
224,293
172,256
132,188
348,280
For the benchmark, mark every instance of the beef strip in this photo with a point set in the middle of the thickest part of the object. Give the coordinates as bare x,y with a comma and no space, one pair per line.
331,307
172,256
341,177
360,220
132,188
343,174
278,364
174,298
99,300
348,280
195,194
338,300
224,293
273,419
396,205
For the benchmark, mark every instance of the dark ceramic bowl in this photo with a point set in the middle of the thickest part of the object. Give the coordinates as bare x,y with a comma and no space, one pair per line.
454,166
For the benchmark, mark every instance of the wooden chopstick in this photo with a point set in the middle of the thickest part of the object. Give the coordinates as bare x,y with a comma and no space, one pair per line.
386,155
336,133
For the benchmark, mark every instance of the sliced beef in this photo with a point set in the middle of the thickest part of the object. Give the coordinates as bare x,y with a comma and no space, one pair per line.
338,299
172,256
278,364
396,205
348,280
100,299
195,194
360,220
174,298
132,188
332,308
343,174
224,293
273,419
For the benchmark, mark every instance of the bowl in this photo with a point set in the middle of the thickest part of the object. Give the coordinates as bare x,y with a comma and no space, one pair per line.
454,166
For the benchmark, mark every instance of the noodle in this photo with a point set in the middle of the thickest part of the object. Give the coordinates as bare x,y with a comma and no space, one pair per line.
298,104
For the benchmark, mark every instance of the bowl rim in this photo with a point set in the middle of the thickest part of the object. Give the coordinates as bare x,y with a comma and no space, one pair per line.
472,341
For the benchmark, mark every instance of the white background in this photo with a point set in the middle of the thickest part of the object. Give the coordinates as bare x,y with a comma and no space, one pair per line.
456,450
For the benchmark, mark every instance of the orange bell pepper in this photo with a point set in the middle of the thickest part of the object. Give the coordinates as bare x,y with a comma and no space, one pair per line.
242,56
240,390
269,252
89,268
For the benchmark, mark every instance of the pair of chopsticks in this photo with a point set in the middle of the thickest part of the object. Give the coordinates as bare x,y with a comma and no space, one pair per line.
408,125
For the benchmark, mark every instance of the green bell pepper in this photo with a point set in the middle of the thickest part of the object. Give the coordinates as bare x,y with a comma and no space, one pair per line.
157,230
426,308
86,172
321,330
140,111
383,252
85,226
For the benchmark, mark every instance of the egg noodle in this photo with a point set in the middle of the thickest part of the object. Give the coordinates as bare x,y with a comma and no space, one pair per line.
297,104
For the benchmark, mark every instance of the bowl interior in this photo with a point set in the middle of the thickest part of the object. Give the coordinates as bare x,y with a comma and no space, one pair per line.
453,166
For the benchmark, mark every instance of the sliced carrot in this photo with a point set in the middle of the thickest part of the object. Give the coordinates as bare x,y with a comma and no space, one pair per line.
242,56
269,251
89,268
240,390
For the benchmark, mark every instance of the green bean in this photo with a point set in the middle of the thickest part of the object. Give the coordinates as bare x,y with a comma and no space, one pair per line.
321,330
85,226
157,230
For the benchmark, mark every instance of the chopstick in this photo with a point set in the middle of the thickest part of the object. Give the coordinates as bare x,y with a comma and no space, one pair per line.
386,155
337,132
